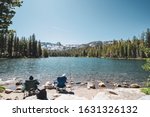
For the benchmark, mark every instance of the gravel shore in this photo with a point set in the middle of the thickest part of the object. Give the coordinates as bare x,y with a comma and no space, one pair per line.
78,91
83,93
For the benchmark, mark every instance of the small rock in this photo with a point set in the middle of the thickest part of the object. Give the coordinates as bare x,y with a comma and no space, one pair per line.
90,85
101,84
18,83
125,86
8,91
19,87
16,98
112,92
17,91
56,95
117,85
83,83
71,82
135,86
78,83
68,86
49,85
125,83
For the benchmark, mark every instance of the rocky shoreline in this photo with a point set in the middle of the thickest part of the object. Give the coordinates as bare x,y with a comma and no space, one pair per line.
90,90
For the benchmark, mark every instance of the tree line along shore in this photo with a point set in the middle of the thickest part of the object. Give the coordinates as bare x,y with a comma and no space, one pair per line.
13,47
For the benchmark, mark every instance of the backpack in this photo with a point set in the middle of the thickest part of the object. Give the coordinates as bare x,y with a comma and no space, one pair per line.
42,94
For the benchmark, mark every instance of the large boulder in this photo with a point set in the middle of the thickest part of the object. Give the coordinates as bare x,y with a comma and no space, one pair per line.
135,86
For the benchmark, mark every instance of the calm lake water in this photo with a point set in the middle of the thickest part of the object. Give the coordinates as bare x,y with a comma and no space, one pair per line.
78,69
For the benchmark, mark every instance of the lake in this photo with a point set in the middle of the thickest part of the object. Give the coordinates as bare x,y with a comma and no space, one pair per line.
78,69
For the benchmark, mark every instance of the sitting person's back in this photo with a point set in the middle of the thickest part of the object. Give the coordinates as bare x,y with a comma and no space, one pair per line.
31,85
61,81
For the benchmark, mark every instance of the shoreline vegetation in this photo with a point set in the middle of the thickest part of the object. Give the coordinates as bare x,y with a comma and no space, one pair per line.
83,57
12,46
89,90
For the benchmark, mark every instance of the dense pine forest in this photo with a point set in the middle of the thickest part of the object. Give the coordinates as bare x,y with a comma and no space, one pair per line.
12,46
130,48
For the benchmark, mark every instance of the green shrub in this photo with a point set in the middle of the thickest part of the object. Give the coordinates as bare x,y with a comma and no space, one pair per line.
2,88
146,90
147,84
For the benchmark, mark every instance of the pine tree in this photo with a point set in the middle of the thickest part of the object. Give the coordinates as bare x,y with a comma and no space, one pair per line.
7,13
39,49
148,38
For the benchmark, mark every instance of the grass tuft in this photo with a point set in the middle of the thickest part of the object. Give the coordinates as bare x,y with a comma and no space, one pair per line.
2,89
146,90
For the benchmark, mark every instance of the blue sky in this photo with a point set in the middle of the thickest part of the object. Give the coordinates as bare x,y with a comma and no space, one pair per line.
82,21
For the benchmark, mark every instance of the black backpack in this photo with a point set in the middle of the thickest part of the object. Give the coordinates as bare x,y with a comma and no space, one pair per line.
42,94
